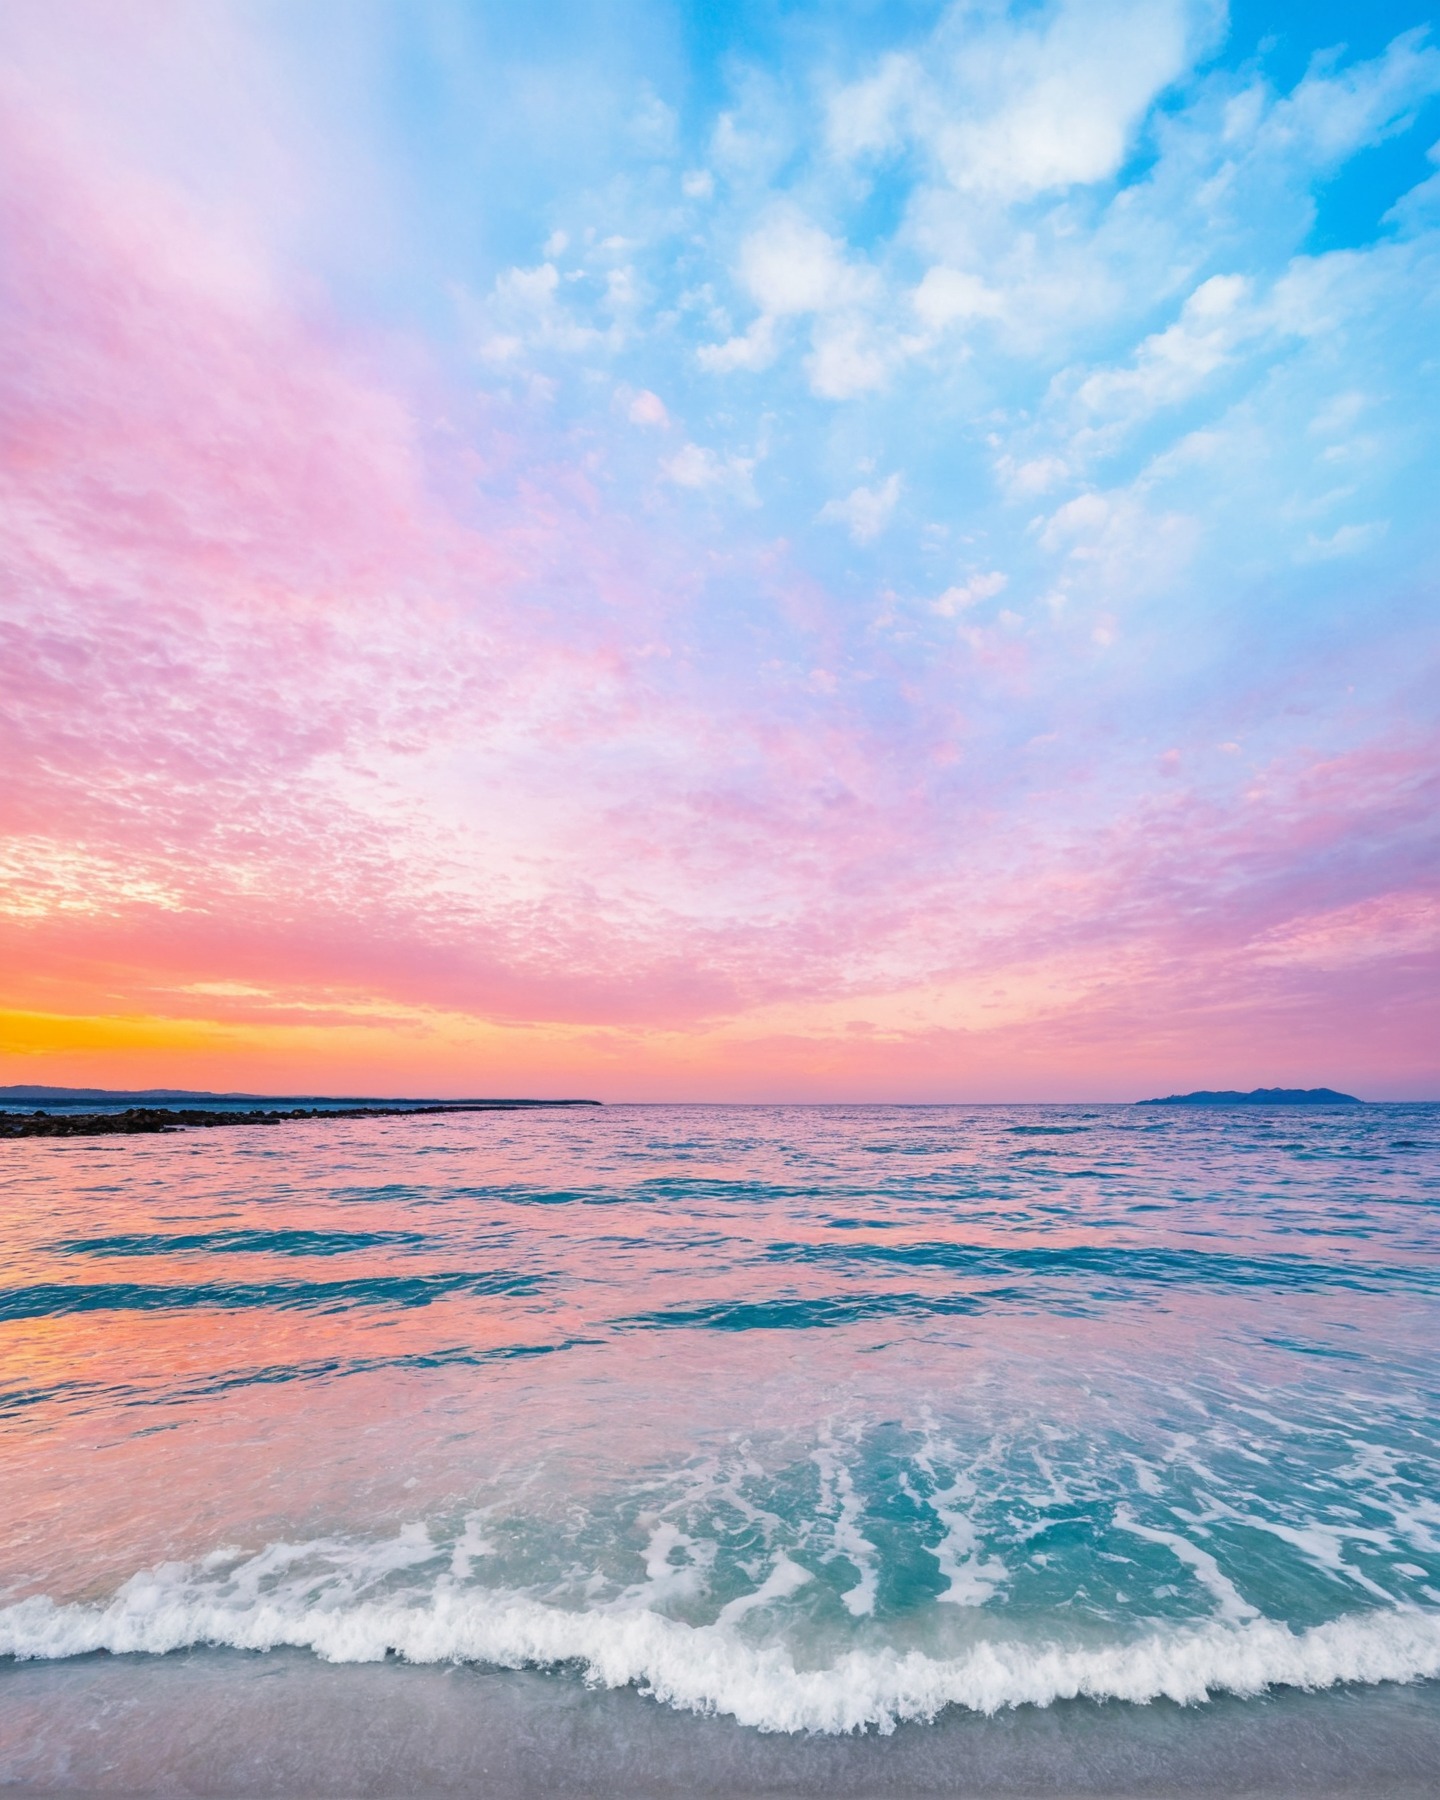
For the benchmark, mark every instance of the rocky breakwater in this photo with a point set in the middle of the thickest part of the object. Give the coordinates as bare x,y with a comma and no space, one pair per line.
142,1120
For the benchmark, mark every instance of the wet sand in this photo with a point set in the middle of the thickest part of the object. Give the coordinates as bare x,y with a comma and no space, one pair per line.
224,1723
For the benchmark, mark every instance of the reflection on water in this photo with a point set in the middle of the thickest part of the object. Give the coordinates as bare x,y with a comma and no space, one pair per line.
822,1417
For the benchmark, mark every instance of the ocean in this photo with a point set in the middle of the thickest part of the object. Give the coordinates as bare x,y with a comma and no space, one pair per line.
725,1451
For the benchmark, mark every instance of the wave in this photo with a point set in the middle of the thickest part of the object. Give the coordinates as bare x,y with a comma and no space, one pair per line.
82,1397
787,1313
46,1300
717,1669
293,1242
1122,1265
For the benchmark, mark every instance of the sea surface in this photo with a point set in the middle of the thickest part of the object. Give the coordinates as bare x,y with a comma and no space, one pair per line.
652,1450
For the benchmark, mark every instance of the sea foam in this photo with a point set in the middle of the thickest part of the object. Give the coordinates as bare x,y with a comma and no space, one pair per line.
716,1669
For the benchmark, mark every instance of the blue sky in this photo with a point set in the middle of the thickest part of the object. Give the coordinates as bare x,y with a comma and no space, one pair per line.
838,251
1101,322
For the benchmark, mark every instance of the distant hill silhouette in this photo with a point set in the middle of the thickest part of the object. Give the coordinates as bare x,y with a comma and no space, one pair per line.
1257,1097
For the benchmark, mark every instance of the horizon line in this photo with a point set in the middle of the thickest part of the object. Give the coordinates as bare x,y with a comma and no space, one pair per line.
38,1091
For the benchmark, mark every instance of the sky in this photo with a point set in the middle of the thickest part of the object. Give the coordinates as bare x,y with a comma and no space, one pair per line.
863,551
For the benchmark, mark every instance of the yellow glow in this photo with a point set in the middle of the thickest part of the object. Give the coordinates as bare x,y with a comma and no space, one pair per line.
440,1053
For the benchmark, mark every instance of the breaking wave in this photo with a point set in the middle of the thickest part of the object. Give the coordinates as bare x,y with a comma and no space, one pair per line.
716,1668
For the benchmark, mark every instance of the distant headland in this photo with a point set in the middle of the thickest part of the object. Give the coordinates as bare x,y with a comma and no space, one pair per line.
1257,1097
108,1112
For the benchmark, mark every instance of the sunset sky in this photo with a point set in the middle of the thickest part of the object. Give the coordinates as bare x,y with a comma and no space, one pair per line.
751,551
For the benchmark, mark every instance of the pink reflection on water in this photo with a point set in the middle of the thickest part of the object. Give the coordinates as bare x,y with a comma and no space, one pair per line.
641,1265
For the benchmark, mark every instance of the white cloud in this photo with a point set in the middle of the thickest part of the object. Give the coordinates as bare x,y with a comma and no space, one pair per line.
652,124
1313,295
701,469
524,311
1172,364
1338,414
791,266
1420,208
865,117
648,409
621,291
529,287
1078,522
1349,540
1036,476
866,511
1070,95
1115,547
751,142
846,360
1224,321
1011,109
1329,116
697,184
977,588
949,296
754,349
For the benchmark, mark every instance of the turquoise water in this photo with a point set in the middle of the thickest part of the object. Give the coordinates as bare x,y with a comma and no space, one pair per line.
816,1420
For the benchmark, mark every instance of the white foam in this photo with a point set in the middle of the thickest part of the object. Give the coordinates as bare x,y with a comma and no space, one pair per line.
1232,1604
972,1578
838,1496
717,1668
667,1582
471,1545
785,1579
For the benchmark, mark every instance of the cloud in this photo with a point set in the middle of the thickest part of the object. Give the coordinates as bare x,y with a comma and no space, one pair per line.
1419,209
1330,114
1393,925
1081,521
866,117
647,409
952,296
703,470
791,268
342,677
1036,475
524,312
1116,550
866,511
846,359
1064,98
1172,364
754,349
1348,540
969,593
1012,109
540,309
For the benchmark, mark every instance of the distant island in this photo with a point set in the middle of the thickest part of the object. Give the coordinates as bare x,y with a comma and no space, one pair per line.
1257,1097
122,1117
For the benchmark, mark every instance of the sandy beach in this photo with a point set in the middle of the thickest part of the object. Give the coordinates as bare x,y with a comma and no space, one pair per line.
283,1726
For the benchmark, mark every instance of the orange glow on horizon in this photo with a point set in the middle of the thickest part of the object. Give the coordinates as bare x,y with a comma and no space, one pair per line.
458,1056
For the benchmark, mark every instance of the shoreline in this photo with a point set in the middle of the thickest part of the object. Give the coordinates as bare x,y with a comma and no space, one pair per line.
284,1724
